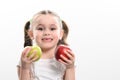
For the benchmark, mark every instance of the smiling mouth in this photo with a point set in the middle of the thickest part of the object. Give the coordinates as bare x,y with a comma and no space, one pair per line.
47,39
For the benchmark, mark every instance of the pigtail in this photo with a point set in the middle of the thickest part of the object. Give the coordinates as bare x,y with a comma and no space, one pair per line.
27,40
66,31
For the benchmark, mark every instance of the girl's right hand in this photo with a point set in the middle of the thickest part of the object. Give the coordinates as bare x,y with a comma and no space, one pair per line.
26,60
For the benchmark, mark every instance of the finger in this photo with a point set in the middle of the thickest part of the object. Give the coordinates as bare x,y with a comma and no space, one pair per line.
70,53
65,59
35,58
32,55
60,60
26,51
65,63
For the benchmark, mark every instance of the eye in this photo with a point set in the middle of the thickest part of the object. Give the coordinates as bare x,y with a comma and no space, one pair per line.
40,28
53,29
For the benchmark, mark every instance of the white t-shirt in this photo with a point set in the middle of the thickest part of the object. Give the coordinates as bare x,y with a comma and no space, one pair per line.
48,69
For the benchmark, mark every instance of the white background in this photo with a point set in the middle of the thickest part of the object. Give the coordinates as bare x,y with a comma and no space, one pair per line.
94,35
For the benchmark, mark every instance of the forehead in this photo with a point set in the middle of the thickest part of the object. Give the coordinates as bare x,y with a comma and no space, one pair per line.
46,18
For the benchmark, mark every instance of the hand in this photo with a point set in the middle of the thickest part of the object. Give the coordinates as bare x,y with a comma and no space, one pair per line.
69,60
26,60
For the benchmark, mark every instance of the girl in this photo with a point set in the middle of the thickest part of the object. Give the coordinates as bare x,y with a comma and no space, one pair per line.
48,31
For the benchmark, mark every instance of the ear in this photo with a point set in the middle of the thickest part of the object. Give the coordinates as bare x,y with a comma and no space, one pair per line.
61,34
30,34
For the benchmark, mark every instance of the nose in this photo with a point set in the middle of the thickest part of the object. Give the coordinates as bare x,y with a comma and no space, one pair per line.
46,32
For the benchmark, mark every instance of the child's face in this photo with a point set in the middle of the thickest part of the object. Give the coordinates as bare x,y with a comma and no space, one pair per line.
47,31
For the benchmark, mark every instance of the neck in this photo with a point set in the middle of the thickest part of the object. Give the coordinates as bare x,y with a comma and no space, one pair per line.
48,53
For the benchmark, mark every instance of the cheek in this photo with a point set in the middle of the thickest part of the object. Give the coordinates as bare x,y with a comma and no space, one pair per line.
57,35
56,39
37,35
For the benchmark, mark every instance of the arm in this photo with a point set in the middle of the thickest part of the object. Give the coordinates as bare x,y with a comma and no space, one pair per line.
24,70
70,74
23,74
69,63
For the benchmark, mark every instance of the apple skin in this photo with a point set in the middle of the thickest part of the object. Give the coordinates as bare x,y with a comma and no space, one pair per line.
61,51
38,50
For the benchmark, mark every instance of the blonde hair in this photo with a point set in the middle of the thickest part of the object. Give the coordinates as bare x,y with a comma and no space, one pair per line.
45,12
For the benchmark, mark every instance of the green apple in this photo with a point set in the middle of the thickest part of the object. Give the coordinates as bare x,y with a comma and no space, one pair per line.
38,50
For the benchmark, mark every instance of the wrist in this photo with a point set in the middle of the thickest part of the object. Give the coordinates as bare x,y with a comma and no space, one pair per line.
70,66
26,66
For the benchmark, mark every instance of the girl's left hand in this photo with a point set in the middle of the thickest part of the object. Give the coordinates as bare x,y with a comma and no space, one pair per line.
69,60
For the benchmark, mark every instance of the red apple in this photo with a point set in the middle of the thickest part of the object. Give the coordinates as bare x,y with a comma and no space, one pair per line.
61,51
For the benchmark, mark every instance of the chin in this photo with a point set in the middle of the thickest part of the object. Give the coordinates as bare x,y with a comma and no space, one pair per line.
48,47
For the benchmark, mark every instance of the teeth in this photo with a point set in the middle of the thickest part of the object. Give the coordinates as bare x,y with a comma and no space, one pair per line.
47,39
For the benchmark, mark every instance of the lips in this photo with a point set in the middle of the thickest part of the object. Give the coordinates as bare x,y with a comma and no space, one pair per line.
47,39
